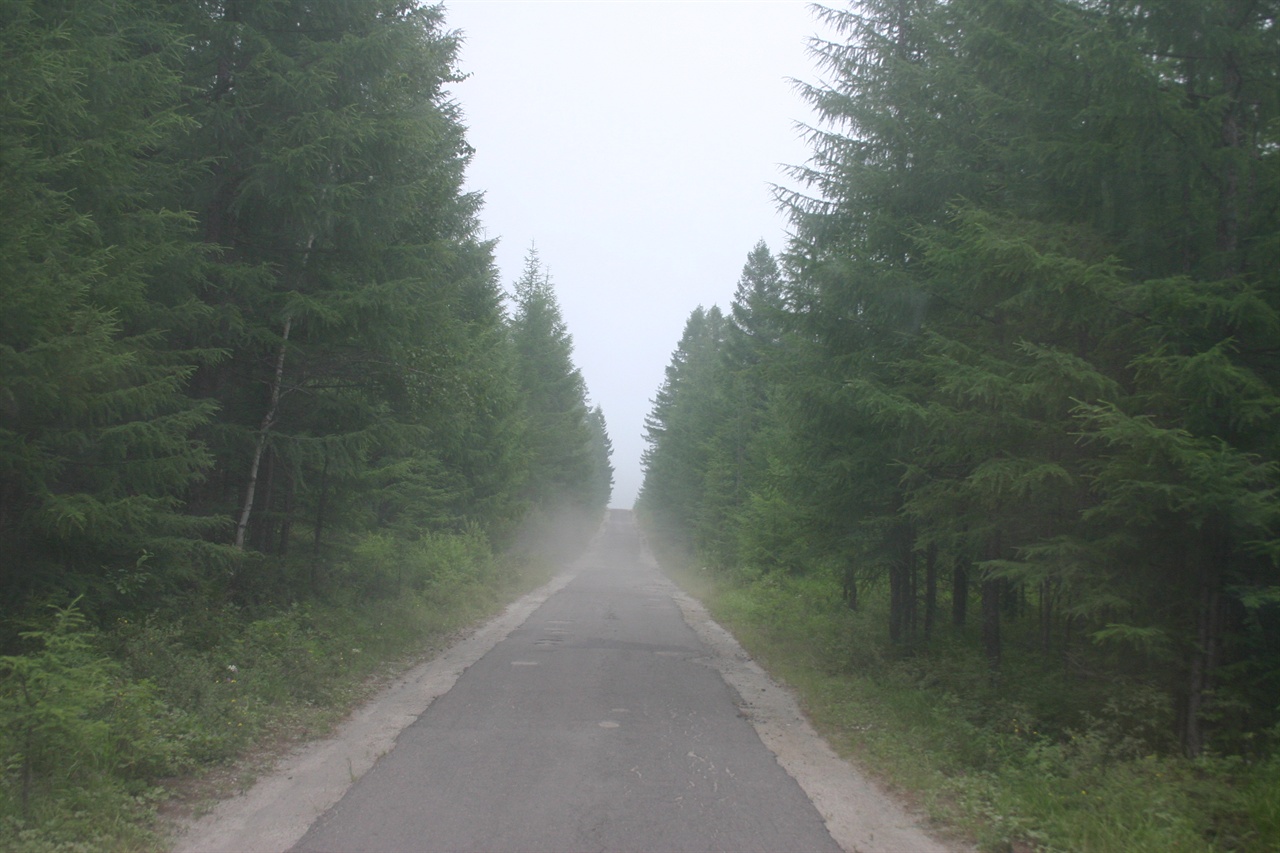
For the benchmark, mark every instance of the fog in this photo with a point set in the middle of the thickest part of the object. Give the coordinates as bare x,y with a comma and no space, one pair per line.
636,145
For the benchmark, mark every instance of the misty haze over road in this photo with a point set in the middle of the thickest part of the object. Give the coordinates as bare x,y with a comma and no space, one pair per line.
596,725
605,711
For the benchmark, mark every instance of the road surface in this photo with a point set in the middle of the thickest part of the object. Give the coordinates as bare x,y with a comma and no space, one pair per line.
609,715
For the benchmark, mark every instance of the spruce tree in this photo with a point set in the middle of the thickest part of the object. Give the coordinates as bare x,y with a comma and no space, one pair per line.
345,261
601,448
561,445
743,398
679,427
96,434
1032,296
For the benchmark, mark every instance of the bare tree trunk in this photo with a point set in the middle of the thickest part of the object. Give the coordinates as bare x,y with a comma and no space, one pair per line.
959,592
896,596
263,433
261,532
321,504
991,625
1068,633
1204,657
913,593
1200,676
1046,616
930,590
286,523
991,607
849,587
901,591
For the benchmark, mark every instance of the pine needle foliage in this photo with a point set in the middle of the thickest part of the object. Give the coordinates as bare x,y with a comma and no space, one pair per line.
254,358
1025,354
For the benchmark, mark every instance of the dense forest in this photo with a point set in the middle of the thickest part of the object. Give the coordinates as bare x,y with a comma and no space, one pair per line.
255,365
1014,384
1010,393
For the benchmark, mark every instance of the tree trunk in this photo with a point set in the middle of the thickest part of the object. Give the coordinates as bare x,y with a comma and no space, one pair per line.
959,592
896,596
901,592
218,215
1068,634
322,500
992,589
849,587
1046,617
1204,654
991,625
1013,600
286,520
264,431
930,590
1229,182
1200,670
913,591
261,531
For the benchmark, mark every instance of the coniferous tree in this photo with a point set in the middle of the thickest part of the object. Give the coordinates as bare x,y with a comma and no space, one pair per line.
319,345
1026,289
601,447
743,397
345,255
679,426
858,299
96,434
561,439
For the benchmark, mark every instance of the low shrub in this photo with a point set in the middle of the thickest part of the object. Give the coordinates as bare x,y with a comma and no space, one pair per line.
75,734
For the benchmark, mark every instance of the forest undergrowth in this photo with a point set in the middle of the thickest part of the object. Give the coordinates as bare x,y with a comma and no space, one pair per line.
1037,761
104,731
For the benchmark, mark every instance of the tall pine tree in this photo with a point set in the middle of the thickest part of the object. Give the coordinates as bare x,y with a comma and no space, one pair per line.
562,439
96,433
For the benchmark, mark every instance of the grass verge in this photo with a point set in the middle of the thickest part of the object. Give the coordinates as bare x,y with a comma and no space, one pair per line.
108,732
981,763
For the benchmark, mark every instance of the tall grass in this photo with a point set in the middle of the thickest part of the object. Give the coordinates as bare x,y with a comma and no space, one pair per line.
1032,763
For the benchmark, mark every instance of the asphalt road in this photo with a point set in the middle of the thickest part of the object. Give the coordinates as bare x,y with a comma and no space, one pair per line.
598,724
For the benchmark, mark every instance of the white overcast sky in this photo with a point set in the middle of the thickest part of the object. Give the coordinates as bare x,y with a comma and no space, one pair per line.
634,142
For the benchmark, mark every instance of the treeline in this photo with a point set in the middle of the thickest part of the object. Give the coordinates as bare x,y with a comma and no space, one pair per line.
246,309
1015,382
251,340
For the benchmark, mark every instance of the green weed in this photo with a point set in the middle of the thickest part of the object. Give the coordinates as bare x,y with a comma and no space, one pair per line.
93,720
1036,761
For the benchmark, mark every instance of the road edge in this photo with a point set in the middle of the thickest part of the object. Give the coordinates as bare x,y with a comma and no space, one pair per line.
279,809
860,816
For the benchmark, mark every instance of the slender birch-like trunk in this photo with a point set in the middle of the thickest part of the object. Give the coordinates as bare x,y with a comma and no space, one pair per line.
268,420
263,433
